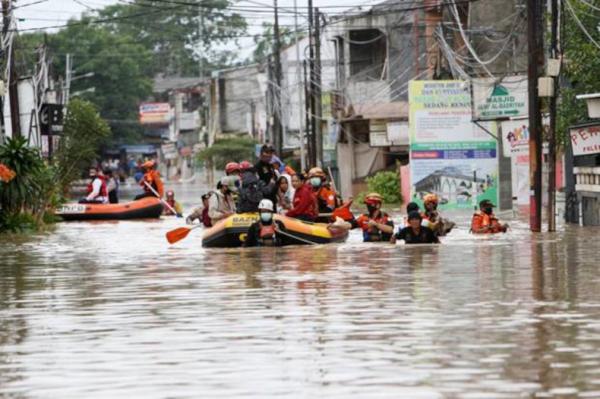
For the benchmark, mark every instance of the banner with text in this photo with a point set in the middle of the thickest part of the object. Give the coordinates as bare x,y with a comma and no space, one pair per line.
449,155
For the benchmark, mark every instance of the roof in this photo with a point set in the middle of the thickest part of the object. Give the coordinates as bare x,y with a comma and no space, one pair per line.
449,171
588,96
387,110
163,84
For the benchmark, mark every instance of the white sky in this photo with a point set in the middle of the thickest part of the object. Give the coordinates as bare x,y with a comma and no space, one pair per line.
57,12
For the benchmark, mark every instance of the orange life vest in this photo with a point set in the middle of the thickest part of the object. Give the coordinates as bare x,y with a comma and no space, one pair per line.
481,220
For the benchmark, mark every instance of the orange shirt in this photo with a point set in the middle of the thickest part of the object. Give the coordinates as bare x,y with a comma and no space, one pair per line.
327,197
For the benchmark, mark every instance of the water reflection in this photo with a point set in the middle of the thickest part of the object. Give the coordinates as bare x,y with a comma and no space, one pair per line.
108,310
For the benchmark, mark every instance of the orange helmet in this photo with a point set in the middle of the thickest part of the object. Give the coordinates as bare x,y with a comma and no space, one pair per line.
148,164
430,198
373,199
316,172
232,167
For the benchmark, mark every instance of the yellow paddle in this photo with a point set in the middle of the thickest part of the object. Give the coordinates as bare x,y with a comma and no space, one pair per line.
179,233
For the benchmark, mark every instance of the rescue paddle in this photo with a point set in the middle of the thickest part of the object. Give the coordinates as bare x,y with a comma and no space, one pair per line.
179,233
165,203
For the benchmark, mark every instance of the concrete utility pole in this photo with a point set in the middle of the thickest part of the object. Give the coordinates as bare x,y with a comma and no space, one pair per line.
311,88
68,75
298,88
307,114
535,60
551,211
277,109
13,79
318,95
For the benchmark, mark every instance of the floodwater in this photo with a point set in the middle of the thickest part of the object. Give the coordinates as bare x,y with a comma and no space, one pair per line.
109,310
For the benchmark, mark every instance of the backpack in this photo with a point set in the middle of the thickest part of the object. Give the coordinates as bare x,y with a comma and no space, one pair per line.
250,195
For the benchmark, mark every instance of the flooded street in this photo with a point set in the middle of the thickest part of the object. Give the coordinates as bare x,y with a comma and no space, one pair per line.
108,309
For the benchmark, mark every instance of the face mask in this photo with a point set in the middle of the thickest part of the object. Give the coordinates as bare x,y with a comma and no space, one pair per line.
488,211
266,217
372,208
315,181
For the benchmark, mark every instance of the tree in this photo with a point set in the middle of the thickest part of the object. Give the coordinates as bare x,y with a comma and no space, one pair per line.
84,132
227,150
172,31
581,63
264,41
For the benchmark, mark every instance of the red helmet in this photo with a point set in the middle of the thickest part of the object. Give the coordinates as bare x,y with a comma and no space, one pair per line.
232,167
245,165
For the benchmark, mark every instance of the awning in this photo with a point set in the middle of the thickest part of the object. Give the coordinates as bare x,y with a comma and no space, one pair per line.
389,110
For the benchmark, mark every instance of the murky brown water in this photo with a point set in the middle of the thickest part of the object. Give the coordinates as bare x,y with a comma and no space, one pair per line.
105,310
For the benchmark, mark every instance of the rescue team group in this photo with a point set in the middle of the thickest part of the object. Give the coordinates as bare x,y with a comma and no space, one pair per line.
265,188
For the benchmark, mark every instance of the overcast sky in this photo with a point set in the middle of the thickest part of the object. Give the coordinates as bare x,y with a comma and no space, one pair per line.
57,12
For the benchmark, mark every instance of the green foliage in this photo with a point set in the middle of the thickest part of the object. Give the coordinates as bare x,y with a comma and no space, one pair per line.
265,42
235,149
580,68
387,184
84,132
26,200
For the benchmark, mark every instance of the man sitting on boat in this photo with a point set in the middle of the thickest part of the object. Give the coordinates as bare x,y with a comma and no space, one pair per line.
265,231
376,224
201,213
221,204
97,192
151,182
485,222
327,198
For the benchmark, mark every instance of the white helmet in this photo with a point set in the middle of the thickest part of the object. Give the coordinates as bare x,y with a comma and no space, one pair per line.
266,204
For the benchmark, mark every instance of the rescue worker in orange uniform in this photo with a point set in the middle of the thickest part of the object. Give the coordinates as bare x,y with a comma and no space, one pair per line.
264,232
485,222
327,198
376,224
432,217
152,178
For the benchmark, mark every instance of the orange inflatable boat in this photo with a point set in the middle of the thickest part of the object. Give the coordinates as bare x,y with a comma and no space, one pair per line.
145,208
231,232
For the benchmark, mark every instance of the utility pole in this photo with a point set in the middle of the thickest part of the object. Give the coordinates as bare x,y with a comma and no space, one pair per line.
68,75
535,60
318,95
552,139
277,114
298,88
13,79
311,87
307,114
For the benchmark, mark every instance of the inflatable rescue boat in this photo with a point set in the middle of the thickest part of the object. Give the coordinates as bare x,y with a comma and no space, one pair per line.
145,208
231,232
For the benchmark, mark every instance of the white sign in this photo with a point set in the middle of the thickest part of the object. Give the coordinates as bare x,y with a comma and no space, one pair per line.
500,100
585,140
71,208
397,133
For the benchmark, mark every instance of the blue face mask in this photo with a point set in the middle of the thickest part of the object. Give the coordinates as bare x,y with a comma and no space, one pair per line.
315,181
266,217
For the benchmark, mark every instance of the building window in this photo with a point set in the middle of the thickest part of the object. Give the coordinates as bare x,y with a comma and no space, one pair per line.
368,49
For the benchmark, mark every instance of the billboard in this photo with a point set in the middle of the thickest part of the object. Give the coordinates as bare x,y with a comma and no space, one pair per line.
155,113
585,140
449,155
499,100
